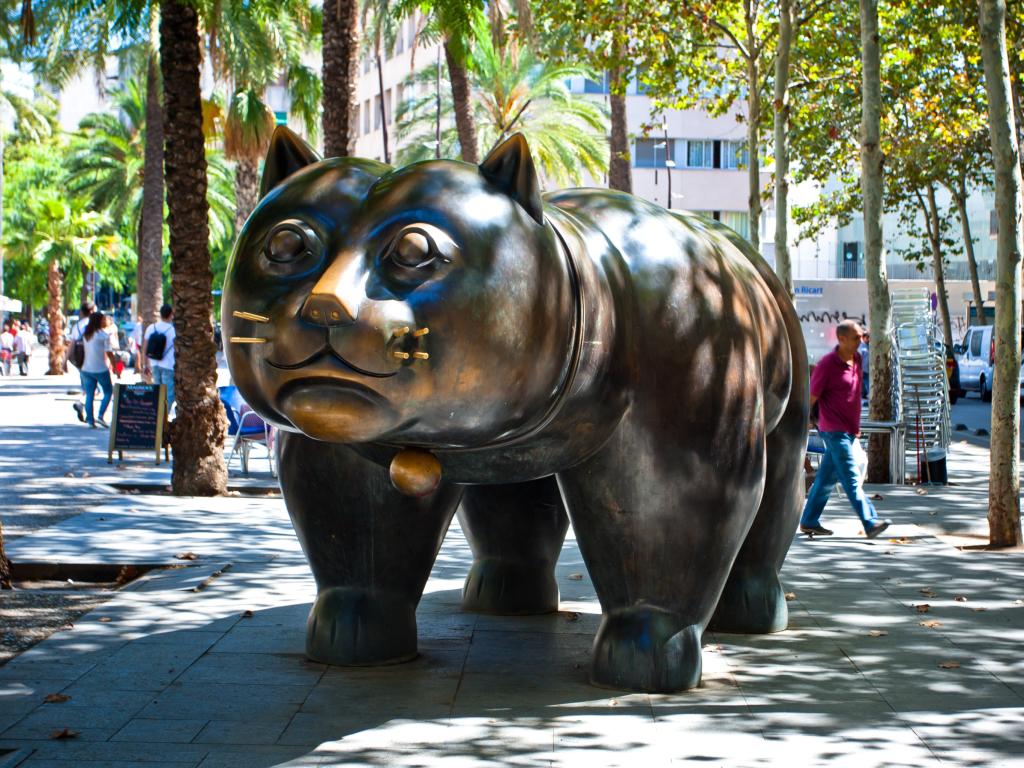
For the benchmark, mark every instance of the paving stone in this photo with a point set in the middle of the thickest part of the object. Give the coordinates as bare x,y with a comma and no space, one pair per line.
243,733
221,701
161,731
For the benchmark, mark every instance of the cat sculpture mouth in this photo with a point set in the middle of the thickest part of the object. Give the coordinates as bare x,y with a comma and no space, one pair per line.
326,351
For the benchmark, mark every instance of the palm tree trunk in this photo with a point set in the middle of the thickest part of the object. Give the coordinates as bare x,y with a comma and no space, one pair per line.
149,280
55,291
465,124
198,432
620,175
247,189
341,72
1004,477
783,265
879,306
753,131
87,291
960,197
931,213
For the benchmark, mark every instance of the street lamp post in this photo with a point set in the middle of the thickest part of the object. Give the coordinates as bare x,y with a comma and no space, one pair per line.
669,165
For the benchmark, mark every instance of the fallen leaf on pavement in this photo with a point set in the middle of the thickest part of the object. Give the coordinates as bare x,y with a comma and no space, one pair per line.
949,665
571,615
186,556
877,633
923,608
927,592
791,595
877,497
67,733
979,610
931,623
900,540
104,619
57,698
1018,602
960,599
920,491
575,577
613,702
247,615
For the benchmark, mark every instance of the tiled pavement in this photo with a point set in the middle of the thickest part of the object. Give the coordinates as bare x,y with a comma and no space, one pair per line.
202,665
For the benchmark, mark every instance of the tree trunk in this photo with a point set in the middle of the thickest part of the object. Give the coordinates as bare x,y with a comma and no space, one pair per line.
879,305
1004,478
753,126
149,280
55,317
931,212
783,265
465,124
620,174
197,436
5,564
341,73
247,189
383,105
960,198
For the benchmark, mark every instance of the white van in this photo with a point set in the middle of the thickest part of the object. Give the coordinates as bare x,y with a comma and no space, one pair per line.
976,354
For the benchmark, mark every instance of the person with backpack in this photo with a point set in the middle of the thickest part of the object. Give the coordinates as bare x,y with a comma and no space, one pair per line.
158,351
76,351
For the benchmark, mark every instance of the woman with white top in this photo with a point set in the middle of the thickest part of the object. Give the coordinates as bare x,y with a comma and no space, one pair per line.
95,371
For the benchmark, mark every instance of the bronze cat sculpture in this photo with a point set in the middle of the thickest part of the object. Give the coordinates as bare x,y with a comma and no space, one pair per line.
440,333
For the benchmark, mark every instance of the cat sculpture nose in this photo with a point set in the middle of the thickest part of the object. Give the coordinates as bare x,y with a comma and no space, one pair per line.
326,309
334,299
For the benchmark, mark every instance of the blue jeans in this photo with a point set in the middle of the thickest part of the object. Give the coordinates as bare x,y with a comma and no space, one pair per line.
837,465
165,376
89,383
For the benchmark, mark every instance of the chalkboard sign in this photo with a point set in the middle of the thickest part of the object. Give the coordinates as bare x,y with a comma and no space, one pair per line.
138,423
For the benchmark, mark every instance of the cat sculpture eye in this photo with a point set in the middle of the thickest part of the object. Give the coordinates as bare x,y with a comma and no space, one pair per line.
289,241
418,250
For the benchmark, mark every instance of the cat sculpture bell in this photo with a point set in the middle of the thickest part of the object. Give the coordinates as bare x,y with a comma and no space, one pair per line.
415,472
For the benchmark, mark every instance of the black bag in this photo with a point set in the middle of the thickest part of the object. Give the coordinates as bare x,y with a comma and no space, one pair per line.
156,345
76,353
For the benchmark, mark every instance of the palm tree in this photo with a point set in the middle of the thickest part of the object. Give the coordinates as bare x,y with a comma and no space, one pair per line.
341,72
452,22
513,91
198,434
254,50
61,233
108,164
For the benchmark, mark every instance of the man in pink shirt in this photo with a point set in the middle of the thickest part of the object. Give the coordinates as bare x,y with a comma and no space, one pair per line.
836,388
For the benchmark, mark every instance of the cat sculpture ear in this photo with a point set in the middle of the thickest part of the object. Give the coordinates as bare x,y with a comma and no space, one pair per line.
288,153
509,166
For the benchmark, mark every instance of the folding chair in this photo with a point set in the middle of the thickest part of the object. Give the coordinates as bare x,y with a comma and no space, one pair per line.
246,427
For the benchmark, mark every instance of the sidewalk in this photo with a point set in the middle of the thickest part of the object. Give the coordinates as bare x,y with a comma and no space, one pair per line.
202,664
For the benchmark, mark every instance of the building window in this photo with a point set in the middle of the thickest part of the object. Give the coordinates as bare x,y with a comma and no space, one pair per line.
412,31
400,39
652,153
366,117
366,64
734,154
376,112
737,221
700,153
388,111
596,86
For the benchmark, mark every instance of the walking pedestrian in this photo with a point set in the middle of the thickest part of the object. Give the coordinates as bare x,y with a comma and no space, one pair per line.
76,351
95,371
836,389
23,341
6,349
158,346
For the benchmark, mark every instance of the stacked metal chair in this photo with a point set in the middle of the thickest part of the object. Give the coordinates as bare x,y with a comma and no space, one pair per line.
923,387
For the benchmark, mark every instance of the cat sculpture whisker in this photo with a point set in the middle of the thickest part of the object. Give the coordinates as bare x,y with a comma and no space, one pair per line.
250,316
247,340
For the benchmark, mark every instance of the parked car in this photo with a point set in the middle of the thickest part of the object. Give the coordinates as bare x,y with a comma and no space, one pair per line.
977,354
